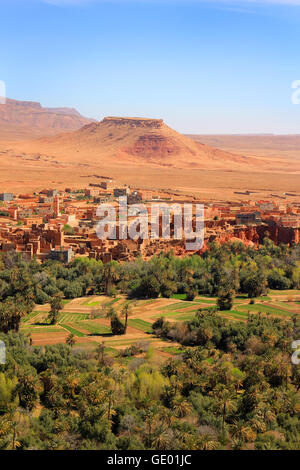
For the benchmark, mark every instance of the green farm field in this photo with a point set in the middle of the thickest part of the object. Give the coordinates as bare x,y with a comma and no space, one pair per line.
82,318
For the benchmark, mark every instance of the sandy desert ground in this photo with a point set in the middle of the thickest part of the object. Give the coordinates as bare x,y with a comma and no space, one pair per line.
147,154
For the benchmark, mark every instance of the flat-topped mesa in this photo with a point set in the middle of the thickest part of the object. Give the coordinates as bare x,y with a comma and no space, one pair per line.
21,120
134,122
22,104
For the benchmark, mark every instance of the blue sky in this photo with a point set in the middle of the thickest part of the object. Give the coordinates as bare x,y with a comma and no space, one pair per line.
203,66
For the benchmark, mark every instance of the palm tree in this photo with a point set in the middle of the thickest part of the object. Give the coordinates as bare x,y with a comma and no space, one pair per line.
207,442
109,312
110,276
20,420
265,411
162,439
111,399
225,402
56,305
257,423
181,406
149,418
243,432
71,383
100,352
12,425
6,425
70,340
125,312
291,402
166,416
116,325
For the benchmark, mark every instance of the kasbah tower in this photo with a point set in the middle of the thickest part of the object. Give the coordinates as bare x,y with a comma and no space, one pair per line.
56,206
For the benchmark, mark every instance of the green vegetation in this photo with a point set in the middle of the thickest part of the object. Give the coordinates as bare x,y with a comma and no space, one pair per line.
72,330
93,328
172,350
68,230
41,329
30,316
56,305
265,309
72,317
225,299
231,270
233,386
140,325
229,385
179,296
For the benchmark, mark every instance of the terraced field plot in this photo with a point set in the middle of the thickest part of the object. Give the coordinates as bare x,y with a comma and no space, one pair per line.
127,342
180,306
42,329
179,296
30,316
92,304
92,327
288,292
74,331
147,302
179,315
172,350
77,318
205,301
245,298
141,325
234,315
69,317
289,306
264,308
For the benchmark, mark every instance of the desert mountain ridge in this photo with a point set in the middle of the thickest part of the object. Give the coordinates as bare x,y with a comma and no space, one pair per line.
144,153
20,120
133,140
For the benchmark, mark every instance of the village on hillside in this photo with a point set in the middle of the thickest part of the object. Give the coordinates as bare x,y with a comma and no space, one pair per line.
61,224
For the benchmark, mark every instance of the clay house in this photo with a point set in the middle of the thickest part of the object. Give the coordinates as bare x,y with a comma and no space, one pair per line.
64,254
24,213
51,192
107,185
6,197
135,198
118,192
266,206
34,220
146,195
211,213
290,221
45,200
248,218
91,192
13,212
103,199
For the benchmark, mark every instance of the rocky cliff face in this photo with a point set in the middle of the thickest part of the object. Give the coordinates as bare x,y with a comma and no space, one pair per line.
251,235
143,123
149,145
27,119
147,140
279,234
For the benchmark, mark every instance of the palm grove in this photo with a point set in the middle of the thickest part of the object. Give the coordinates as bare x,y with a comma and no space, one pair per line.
233,385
